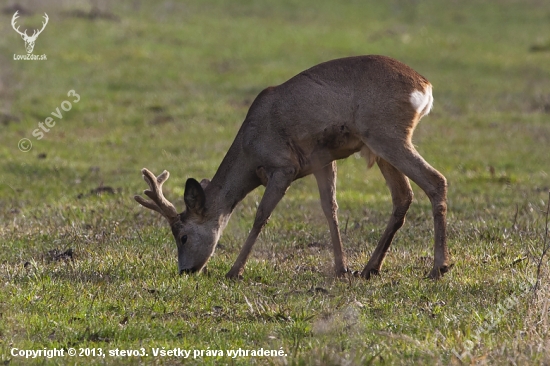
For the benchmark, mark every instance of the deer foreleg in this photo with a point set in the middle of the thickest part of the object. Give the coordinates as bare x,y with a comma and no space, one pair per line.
277,185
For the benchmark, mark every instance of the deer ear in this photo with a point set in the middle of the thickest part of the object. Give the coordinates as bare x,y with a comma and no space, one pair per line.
194,196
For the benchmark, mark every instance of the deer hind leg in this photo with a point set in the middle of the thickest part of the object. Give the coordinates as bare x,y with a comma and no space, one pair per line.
326,181
404,157
402,195
278,182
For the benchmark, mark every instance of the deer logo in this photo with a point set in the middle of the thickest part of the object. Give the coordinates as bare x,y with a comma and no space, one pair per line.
29,40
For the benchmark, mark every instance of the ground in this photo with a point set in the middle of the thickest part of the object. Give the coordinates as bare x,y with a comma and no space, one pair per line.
166,86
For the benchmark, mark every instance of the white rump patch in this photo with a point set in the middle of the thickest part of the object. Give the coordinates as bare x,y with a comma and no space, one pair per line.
422,101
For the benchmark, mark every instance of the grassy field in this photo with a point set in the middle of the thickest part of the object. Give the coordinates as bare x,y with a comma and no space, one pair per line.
167,85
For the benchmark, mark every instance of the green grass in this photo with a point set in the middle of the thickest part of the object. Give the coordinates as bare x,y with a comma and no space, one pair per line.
168,86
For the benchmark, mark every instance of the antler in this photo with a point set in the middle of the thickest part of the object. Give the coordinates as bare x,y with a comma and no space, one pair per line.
35,33
158,203
43,26
13,19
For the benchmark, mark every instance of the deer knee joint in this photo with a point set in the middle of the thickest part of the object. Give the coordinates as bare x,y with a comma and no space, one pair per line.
409,199
440,208
403,203
402,206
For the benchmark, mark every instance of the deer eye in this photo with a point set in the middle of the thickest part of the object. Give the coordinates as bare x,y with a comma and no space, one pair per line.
183,239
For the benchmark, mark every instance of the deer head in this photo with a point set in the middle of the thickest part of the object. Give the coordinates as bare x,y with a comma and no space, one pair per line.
29,40
196,236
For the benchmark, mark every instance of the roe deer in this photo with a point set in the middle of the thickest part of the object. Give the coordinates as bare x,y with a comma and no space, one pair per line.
328,112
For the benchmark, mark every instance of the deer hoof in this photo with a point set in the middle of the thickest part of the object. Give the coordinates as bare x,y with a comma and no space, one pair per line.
231,275
367,273
343,272
437,273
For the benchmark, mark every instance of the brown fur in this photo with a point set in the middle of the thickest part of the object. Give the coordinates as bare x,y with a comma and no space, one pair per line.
301,127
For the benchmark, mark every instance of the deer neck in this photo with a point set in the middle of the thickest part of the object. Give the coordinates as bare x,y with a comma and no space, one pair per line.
233,180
